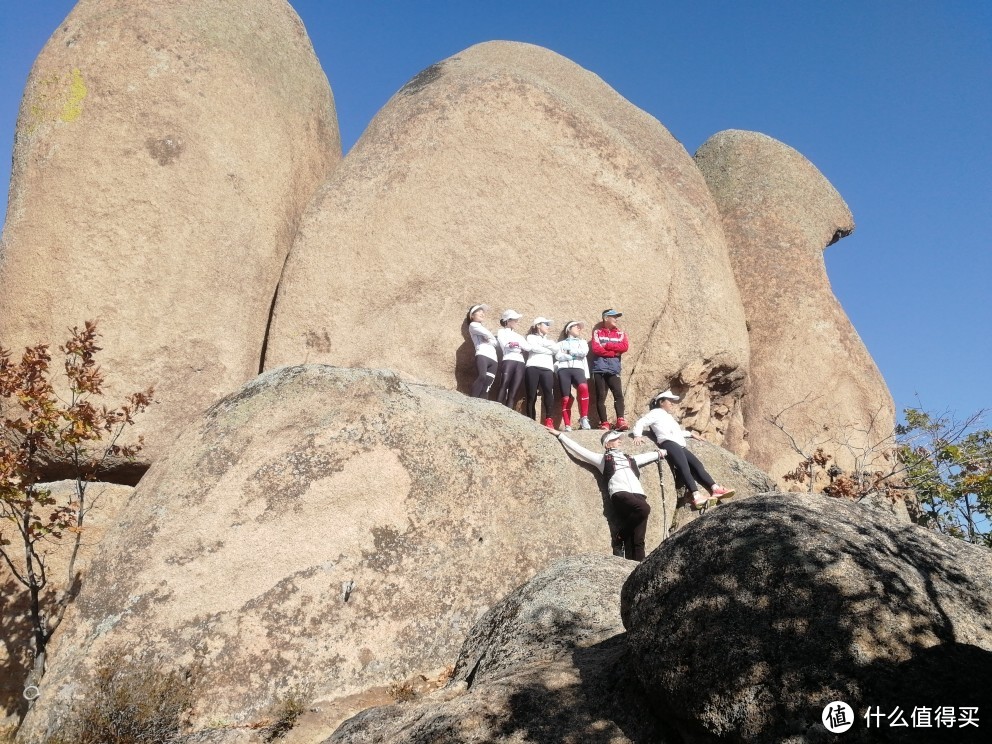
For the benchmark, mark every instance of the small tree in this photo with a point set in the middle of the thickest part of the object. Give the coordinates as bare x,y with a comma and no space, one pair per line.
948,463
40,427
944,462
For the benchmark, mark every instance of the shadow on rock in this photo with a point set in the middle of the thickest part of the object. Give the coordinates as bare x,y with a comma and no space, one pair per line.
746,624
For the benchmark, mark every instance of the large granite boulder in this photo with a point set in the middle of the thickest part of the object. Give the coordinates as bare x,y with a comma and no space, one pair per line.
105,501
810,372
549,663
328,526
746,624
508,174
164,154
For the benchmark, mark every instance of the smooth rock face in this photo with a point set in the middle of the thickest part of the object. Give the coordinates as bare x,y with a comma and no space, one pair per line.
105,502
163,157
549,663
509,175
324,525
809,367
746,624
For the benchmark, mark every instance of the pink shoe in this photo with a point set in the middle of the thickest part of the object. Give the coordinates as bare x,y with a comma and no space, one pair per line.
549,423
605,426
622,424
719,492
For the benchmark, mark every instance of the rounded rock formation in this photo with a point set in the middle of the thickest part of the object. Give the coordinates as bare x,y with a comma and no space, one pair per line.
811,377
746,624
324,525
548,663
509,175
164,154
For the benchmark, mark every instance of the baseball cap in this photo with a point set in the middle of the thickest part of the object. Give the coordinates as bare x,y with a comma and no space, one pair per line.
510,315
540,319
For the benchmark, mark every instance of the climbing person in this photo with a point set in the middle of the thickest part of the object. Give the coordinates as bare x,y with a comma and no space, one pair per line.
513,346
540,369
624,486
608,343
671,437
486,361
573,369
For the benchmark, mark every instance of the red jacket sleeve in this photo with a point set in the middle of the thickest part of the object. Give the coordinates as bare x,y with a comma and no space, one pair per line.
621,345
598,348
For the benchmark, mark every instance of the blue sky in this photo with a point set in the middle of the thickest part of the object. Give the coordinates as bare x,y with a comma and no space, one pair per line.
890,99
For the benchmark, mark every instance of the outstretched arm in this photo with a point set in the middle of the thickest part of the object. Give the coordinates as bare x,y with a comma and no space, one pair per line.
581,453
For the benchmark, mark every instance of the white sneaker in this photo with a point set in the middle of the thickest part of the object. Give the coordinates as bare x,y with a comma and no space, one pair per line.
699,499
566,427
584,423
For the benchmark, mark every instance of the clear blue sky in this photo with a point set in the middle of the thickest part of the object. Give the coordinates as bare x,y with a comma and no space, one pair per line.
891,99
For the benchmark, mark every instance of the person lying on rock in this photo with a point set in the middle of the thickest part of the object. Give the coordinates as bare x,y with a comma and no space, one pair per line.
624,484
671,439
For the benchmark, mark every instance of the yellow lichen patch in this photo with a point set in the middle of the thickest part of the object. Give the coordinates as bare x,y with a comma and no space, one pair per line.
57,98
73,107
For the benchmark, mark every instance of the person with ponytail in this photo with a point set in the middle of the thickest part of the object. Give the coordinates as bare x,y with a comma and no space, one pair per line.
573,370
539,371
513,346
486,361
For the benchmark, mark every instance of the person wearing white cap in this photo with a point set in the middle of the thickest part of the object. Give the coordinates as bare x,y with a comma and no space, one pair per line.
573,369
540,369
623,481
513,346
486,361
671,439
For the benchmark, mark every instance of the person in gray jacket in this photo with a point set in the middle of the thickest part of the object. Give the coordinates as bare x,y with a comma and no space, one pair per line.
623,482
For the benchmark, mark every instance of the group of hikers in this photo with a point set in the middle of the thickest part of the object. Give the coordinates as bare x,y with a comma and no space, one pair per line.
568,356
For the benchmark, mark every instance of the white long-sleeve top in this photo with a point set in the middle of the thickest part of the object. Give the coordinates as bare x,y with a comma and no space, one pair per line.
572,353
664,426
484,340
542,351
512,344
623,479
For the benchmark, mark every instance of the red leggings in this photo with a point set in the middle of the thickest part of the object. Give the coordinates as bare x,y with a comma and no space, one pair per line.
566,378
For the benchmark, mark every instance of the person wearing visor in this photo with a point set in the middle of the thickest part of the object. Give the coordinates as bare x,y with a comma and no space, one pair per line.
573,369
608,343
486,361
623,481
513,346
671,439
540,369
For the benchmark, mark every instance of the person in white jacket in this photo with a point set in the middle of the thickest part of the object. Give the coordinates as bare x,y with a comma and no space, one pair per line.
540,369
573,369
624,485
671,437
486,361
513,346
